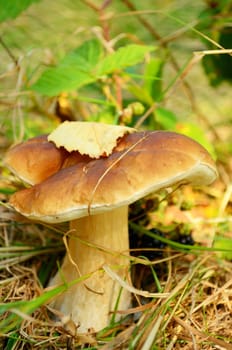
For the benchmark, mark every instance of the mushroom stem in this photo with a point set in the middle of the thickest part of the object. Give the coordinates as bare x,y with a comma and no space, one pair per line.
96,240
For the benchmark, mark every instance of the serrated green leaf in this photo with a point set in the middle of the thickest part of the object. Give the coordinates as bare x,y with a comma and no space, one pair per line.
124,57
55,80
84,57
10,9
74,70
83,66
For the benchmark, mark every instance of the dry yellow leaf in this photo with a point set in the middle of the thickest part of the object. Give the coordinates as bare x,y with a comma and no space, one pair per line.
92,139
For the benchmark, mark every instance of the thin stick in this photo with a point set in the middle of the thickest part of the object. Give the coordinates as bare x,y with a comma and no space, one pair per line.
12,56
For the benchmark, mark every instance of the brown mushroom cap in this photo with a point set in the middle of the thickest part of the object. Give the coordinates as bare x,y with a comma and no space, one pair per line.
142,163
35,160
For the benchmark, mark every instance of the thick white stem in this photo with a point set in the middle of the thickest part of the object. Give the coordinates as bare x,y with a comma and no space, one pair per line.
89,303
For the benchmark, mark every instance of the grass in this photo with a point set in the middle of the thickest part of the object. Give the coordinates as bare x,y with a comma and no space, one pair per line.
195,280
192,314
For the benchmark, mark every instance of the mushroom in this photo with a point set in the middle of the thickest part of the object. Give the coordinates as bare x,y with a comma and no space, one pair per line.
94,195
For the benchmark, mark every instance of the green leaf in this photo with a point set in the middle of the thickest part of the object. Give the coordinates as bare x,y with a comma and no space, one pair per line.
124,57
152,78
10,9
74,71
13,338
55,80
166,118
84,57
105,115
197,133
219,67
223,243
83,66
140,93
5,190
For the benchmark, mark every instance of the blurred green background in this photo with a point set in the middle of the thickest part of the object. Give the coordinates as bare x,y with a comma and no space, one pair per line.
41,35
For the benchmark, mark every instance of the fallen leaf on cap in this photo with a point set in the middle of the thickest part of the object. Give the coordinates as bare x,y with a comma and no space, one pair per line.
92,139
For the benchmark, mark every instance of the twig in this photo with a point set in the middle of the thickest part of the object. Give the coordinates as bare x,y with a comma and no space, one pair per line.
146,115
108,44
142,20
91,5
11,55
131,289
192,330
